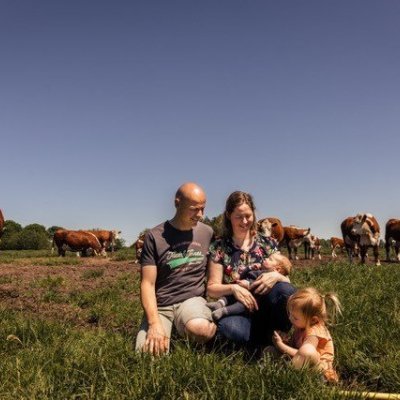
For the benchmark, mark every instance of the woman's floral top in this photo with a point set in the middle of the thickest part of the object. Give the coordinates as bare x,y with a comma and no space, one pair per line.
237,262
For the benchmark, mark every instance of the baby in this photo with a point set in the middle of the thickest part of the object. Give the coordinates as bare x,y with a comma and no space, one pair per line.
229,305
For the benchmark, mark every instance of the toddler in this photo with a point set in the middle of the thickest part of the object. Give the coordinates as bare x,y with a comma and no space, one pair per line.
311,343
229,305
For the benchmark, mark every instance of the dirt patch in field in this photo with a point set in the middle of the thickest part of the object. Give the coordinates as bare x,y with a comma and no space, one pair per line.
58,292
46,290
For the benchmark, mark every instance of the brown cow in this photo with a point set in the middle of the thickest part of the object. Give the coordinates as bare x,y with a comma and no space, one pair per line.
312,245
106,238
336,244
1,223
392,238
293,238
363,231
271,227
138,246
77,241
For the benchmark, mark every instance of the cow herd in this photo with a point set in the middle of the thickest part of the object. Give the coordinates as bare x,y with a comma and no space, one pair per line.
359,233
84,242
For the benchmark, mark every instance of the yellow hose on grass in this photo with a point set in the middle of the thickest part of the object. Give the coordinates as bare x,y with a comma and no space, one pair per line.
369,395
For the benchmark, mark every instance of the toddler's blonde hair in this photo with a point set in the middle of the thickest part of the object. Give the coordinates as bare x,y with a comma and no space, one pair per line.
311,303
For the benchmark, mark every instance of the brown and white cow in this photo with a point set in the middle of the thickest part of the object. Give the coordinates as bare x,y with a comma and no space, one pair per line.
392,238
351,241
312,245
293,238
138,246
76,241
106,238
336,244
362,230
271,227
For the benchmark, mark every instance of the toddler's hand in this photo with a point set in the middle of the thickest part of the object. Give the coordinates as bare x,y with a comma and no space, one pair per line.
277,340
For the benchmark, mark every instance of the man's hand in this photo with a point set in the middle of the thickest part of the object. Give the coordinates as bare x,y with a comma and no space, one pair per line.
157,342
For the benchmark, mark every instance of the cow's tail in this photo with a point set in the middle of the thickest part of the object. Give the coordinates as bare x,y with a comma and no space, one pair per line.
52,246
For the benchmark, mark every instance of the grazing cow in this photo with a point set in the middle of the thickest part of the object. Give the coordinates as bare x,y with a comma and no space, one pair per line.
106,238
392,238
351,241
138,246
336,244
271,227
77,241
312,245
293,238
362,230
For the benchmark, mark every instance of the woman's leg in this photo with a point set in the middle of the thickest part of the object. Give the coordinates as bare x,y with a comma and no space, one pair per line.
235,328
272,313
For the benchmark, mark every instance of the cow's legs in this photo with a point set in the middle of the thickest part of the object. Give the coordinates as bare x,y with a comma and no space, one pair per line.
295,253
334,255
388,245
363,253
289,251
397,250
349,250
306,250
376,255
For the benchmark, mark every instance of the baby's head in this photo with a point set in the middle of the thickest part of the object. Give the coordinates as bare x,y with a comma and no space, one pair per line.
278,262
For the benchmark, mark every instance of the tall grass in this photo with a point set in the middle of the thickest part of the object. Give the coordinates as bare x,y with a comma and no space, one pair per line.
47,358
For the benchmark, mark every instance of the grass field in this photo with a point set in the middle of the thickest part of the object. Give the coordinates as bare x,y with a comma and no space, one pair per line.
68,325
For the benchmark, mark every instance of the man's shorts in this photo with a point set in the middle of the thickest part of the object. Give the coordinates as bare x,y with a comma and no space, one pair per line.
177,314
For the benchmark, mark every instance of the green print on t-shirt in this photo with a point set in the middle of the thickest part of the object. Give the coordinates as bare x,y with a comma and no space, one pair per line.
176,260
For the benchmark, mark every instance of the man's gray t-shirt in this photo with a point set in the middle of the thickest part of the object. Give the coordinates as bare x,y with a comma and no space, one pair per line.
181,260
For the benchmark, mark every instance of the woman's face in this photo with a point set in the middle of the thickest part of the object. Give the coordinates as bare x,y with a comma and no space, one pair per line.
242,219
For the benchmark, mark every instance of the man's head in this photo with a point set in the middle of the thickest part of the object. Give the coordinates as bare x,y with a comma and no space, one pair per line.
190,201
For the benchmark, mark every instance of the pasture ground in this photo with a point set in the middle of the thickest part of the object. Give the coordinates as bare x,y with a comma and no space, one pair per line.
68,325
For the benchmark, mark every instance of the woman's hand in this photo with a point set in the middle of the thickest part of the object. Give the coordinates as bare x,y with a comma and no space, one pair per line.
245,297
265,282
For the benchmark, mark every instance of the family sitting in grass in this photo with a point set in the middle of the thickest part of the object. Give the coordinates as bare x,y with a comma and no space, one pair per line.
245,272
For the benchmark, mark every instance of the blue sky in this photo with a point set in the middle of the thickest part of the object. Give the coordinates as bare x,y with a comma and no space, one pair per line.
107,107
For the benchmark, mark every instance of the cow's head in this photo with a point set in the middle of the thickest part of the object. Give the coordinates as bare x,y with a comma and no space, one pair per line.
265,226
364,226
115,235
310,239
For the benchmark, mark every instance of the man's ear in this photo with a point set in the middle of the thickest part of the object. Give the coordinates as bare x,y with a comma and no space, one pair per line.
177,201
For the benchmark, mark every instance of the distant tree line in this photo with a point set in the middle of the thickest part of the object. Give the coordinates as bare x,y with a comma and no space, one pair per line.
32,237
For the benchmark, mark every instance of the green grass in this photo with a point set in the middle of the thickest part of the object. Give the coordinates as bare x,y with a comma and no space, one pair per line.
47,358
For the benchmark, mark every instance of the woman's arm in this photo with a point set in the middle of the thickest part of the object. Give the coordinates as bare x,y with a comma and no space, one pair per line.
215,287
266,281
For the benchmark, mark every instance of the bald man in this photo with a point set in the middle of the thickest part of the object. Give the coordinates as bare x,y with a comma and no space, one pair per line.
173,266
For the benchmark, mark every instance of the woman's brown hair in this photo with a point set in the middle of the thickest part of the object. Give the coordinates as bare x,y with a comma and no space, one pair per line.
234,200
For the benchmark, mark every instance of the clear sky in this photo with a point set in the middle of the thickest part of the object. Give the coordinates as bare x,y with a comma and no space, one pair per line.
106,107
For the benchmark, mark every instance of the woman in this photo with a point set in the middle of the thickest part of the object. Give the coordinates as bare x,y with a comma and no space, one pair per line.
240,248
